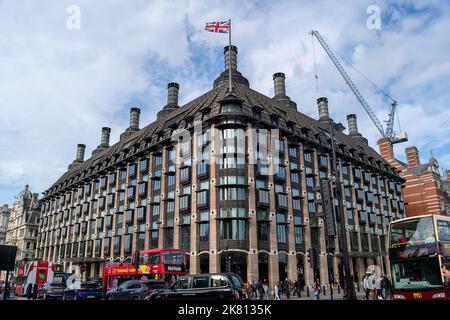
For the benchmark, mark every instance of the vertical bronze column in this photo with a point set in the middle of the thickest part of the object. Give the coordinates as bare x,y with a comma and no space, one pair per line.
134,235
194,266
292,257
214,263
148,211
309,274
125,205
274,274
323,263
176,215
252,258
162,207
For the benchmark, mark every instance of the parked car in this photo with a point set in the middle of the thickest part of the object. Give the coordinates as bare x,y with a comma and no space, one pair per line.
214,286
87,290
135,289
52,290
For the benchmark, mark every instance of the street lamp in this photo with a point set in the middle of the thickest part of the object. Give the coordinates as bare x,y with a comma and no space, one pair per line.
349,289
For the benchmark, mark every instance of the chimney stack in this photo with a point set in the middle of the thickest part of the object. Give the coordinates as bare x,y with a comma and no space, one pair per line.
385,147
172,93
134,118
322,104
279,84
105,136
412,156
447,174
234,52
352,125
80,152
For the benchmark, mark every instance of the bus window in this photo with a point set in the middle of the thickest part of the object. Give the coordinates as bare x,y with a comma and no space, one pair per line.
173,257
154,258
143,259
443,230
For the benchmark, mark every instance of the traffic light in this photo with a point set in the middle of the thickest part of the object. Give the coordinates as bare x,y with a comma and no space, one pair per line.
327,205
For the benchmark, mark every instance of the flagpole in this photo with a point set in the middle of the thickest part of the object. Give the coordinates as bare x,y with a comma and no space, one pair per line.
229,54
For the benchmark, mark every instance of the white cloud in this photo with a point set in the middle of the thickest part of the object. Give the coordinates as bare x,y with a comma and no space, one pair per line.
60,86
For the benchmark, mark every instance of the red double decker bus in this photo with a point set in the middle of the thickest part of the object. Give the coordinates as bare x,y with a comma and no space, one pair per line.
417,248
115,273
161,263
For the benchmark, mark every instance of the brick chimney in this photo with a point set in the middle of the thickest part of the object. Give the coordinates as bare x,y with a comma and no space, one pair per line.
412,156
385,147
447,174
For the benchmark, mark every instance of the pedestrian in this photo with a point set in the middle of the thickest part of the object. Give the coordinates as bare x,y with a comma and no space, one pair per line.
371,285
295,288
276,291
317,290
384,287
366,285
266,290
378,288
6,290
247,290
258,290
35,291
254,288
288,288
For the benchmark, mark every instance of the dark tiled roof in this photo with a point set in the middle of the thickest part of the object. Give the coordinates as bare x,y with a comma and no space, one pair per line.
160,130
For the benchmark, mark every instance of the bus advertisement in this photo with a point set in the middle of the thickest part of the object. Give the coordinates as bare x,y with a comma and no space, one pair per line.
417,248
35,272
161,263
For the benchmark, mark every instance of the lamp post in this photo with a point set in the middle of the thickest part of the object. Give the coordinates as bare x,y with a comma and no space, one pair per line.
349,293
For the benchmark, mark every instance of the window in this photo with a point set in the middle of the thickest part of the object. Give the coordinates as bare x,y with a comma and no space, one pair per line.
281,233
230,108
202,197
295,178
200,282
232,213
224,180
262,225
298,235
201,168
308,157
233,194
218,281
184,202
184,174
157,160
281,172
257,113
293,152
233,229
310,182
203,231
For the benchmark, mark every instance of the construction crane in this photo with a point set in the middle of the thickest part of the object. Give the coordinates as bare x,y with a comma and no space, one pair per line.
389,132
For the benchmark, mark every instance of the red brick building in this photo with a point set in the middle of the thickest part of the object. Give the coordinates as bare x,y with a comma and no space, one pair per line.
424,191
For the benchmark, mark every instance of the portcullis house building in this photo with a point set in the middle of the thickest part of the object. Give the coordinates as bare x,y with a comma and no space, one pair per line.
232,178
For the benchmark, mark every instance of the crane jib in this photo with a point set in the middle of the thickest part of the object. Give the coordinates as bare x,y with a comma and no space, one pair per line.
390,122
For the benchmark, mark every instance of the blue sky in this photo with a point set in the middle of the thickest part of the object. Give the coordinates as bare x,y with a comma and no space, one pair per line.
58,86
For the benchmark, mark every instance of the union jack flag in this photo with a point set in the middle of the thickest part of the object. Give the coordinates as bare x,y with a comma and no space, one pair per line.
218,26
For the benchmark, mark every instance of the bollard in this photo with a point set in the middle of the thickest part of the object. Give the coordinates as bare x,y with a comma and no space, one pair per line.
307,291
359,289
331,292
324,290
299,293
339,288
